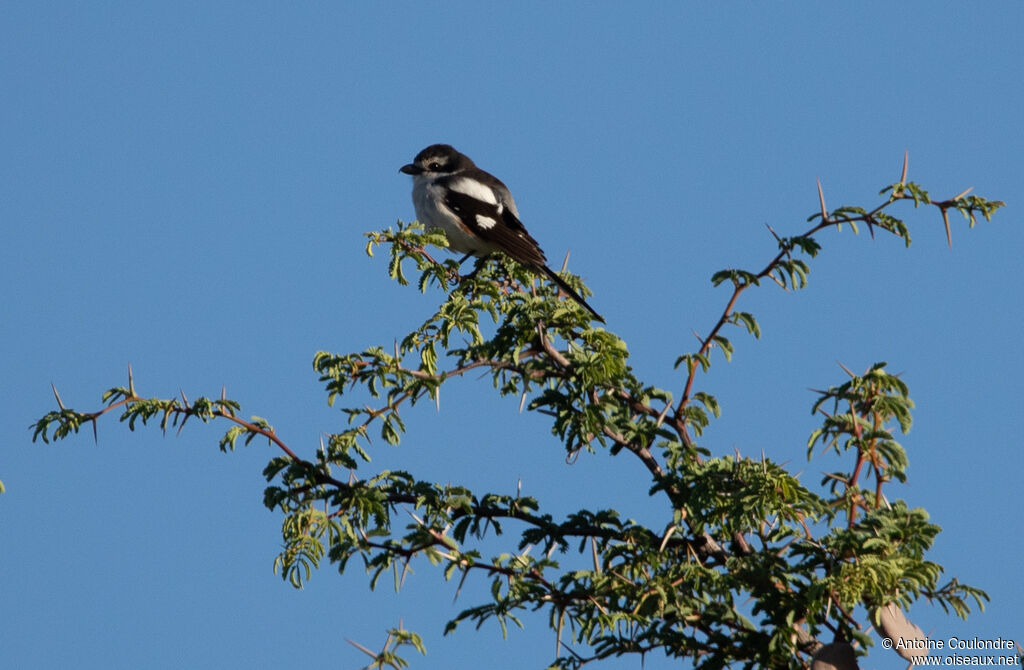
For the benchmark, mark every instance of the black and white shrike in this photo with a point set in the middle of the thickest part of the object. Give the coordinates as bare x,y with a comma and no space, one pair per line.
475,210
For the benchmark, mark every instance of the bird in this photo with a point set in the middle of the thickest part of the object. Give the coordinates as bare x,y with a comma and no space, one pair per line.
476,211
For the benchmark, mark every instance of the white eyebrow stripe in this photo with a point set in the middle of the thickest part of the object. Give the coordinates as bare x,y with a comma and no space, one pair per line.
474,189
485,222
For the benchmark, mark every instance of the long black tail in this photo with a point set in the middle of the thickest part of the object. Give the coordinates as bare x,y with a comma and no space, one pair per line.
570,292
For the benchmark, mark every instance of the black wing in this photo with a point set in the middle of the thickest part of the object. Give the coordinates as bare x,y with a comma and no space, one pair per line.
496,224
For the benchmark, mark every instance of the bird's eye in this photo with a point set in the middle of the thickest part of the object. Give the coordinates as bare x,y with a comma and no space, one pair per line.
434,165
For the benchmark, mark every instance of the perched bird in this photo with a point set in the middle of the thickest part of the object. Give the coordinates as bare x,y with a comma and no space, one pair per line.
475,210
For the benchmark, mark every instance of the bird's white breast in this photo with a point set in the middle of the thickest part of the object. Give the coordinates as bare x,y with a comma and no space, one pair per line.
428,199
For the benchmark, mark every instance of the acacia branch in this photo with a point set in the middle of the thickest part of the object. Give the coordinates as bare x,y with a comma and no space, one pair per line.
870,218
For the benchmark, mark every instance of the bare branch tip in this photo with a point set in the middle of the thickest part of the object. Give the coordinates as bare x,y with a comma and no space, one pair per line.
949,234
664,413
906,159
821,199
60,403
361,648
664,540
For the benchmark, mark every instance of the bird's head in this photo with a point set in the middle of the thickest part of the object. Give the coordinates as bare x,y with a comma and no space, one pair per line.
438,160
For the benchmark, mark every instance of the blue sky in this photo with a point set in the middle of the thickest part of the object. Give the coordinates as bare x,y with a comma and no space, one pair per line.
184,187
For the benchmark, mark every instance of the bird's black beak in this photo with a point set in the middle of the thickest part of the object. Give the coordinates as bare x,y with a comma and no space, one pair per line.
411,169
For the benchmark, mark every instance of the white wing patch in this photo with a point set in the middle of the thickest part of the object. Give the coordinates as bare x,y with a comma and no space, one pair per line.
474,189
485,222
